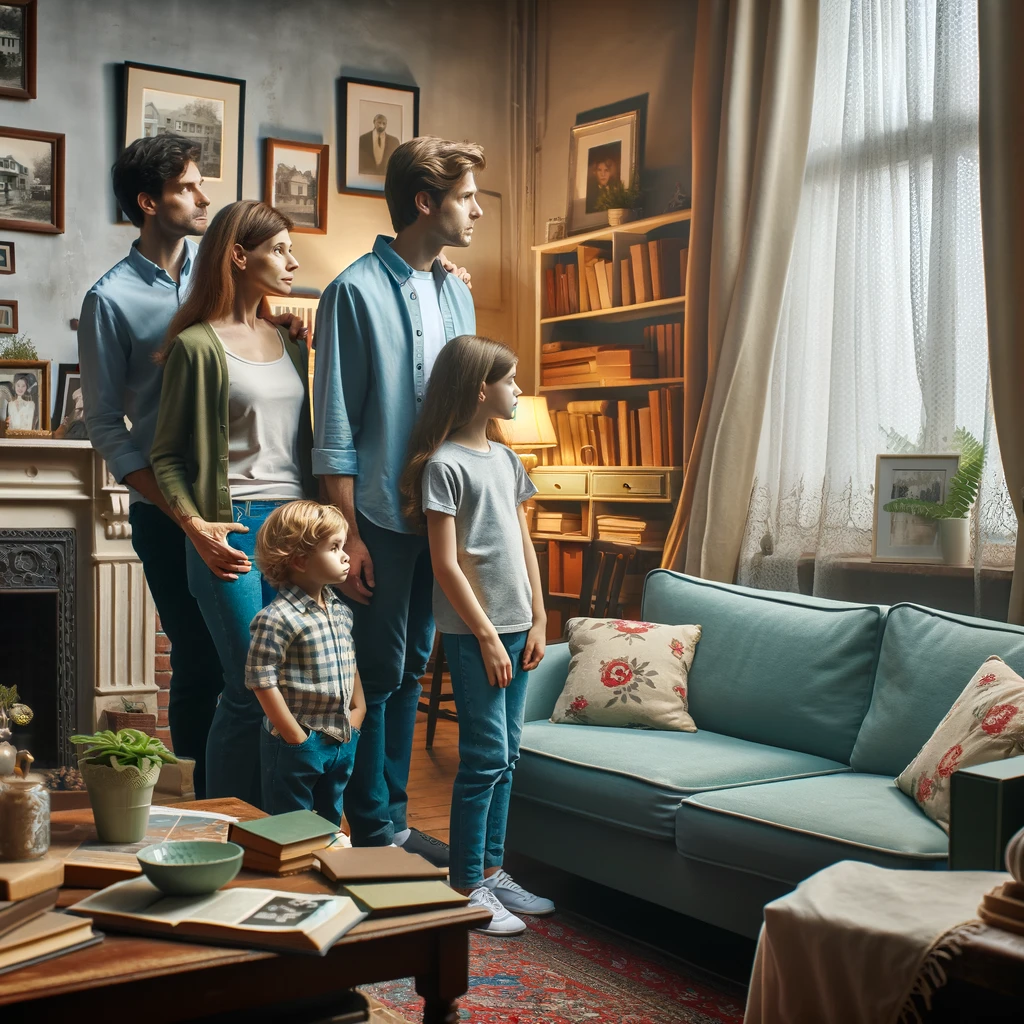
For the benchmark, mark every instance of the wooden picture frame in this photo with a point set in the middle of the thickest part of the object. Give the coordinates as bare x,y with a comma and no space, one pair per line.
8,316
18,32
360,102
36,185
208,109
901,537
609,146
295,183
38,390
6,257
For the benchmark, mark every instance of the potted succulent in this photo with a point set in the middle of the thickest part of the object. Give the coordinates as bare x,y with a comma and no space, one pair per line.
952,514
120,771
131,715
620,200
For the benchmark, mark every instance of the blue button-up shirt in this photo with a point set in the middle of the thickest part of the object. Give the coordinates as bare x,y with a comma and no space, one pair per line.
370,376
124,321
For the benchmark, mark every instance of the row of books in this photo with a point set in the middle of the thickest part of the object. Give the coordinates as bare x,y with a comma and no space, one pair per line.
631,529
589,434
586,280
567,363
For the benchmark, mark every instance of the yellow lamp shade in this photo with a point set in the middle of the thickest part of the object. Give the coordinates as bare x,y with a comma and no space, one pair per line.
531,426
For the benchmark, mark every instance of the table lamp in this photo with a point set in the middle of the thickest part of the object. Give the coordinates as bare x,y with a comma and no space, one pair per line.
531,428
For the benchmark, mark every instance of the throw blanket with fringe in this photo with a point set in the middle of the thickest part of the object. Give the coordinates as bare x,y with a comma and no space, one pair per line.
859,944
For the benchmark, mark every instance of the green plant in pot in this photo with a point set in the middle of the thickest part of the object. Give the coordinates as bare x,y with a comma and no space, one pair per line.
620,200
120,771
953,513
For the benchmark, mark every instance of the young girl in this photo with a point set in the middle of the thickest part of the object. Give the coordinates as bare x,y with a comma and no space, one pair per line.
487,602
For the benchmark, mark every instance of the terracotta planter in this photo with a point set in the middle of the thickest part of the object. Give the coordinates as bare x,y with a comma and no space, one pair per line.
120,799
141,720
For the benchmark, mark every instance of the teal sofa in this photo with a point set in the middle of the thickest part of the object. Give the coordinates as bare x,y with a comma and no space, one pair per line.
806,711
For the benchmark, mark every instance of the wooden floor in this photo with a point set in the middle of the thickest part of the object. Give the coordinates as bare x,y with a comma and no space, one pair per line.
430,777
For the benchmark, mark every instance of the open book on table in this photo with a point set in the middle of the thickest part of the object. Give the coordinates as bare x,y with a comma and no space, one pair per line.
254,918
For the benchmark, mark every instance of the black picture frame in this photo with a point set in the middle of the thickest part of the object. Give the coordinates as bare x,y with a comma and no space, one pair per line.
350,180
63,369
637,103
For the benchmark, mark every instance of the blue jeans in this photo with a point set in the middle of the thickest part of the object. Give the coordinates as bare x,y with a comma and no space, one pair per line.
228,606
196,676
393,635
309,776
490,727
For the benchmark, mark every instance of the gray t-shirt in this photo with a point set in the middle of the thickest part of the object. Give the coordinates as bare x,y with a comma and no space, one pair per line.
483,491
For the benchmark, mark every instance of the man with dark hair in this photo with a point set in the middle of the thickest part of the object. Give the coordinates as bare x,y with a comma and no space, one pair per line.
376,147
124,319
380,325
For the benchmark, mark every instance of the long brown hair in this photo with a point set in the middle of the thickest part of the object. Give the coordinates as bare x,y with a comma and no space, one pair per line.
462,366
212,295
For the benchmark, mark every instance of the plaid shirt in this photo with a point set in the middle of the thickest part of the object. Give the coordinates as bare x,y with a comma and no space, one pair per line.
307,652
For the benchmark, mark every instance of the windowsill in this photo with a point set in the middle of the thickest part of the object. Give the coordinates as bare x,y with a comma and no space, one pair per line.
863,563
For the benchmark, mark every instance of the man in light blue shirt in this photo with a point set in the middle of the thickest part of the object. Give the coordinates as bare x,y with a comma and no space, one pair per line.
380,324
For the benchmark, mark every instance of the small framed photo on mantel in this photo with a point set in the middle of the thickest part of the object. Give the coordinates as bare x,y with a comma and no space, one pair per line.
296,183
374,119
898,536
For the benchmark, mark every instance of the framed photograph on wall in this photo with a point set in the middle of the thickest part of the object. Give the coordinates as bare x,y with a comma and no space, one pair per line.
25,394
31,181
600,153
899,537
18,50
208,110
6,257
296,183
374,119
8,316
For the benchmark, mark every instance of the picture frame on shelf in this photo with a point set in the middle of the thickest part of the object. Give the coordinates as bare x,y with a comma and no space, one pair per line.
6,257
207,109
25,394
8,316
18,49
295,182
374,119
899,537
70,418
600,153
63,369
31,181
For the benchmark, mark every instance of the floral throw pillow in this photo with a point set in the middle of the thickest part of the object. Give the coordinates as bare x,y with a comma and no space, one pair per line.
985,724
628,674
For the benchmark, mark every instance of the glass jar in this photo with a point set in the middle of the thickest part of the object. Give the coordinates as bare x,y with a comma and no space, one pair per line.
24,817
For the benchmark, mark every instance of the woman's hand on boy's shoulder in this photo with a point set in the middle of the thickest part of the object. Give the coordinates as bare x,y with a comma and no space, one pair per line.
536,645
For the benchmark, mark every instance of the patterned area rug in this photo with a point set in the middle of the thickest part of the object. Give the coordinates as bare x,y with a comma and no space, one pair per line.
565,970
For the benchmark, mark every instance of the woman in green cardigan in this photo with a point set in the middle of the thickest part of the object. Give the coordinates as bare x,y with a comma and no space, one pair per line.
233,441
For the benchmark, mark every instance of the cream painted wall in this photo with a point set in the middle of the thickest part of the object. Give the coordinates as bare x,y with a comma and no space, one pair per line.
290,55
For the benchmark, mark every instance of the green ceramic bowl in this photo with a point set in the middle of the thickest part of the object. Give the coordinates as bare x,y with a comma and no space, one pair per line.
190,868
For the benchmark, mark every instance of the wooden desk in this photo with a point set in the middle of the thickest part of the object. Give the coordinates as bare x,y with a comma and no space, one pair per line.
179,981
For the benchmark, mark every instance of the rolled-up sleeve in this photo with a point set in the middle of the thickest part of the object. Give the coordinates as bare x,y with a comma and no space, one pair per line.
340,380
104,348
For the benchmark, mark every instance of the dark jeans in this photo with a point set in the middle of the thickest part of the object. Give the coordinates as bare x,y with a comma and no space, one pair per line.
228,606
393,635
490,727
196,676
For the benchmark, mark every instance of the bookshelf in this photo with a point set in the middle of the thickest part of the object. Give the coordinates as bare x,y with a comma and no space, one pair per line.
608,345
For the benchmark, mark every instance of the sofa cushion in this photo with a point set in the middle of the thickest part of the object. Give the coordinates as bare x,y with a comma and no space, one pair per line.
635,780
789,830
926,658
782,669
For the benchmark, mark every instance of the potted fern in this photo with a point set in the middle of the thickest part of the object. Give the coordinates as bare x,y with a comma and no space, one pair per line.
952,514
120,770
620,200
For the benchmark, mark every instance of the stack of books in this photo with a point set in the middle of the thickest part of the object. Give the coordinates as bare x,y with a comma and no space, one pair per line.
30,929
283,844
554,521
573,364
631,530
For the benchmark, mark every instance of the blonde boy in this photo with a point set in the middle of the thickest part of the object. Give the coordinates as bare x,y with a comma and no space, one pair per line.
302,663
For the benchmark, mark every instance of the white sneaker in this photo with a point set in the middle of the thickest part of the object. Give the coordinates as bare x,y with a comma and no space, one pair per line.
502,922
515,898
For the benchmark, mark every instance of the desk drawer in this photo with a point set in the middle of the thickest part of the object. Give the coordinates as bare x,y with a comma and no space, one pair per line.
630,485
556,484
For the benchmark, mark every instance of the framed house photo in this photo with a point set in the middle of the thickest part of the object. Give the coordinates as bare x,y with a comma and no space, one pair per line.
206,109
25,394
899,537
374,119
600,153
8,316
6,257
18,50
296,183
31,181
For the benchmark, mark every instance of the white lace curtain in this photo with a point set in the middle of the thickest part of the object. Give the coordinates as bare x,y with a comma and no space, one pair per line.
881,345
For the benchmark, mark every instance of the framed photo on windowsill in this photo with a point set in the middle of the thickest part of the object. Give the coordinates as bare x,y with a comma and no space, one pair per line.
899,537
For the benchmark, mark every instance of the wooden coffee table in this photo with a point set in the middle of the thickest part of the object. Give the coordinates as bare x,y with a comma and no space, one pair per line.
164,981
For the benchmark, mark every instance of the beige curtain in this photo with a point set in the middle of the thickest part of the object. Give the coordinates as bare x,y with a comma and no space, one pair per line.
752,92
1001,143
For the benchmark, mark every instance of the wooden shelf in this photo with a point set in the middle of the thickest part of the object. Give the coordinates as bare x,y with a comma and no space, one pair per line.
863,563
578,537
643,382
604,234
619,314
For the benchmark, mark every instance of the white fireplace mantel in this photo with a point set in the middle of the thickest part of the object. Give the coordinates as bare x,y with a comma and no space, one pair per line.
50,484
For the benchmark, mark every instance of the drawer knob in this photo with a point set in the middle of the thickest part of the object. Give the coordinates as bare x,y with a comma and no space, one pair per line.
558,487
626,486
